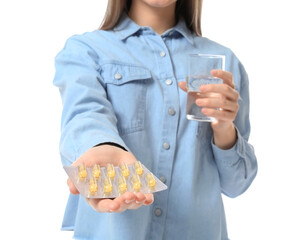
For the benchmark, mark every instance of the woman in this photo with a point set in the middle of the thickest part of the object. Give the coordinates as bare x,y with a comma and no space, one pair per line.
119,87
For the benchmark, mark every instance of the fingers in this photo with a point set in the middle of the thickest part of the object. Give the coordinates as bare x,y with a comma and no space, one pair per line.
130,200
220,107
101,205
126,201
225,76
222,89
72,187
182,85
139,201
218,102
142,199
221,114
149,199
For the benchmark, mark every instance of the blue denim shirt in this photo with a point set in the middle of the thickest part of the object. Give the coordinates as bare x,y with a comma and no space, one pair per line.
121,86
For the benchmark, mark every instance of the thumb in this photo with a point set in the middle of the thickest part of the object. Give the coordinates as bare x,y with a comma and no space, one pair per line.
182,85
72,187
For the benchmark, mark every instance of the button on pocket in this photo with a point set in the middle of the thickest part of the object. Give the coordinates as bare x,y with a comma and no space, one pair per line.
126,87
118,76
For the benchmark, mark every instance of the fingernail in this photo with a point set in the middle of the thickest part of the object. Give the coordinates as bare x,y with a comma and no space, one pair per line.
214,71
138,202
150,201
128,201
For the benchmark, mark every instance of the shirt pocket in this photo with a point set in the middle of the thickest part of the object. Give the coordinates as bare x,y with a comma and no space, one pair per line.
126,87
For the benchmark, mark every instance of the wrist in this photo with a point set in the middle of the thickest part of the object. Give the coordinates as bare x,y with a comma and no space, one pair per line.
224,135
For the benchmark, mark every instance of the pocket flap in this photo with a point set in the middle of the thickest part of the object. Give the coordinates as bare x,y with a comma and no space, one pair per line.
119,74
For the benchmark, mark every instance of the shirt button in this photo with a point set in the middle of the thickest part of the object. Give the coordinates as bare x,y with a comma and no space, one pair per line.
157,212
169,81
163,179
171,111
162,54
118,76
166,145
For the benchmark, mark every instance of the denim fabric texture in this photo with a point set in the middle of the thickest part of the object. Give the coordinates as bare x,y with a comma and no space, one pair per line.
121,86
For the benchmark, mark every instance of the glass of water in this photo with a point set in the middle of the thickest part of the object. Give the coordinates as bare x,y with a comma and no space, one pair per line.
199,73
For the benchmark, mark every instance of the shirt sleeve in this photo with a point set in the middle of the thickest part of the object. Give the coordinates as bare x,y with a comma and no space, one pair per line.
238,166
88,118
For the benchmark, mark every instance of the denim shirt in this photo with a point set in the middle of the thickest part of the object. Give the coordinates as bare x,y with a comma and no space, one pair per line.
121,86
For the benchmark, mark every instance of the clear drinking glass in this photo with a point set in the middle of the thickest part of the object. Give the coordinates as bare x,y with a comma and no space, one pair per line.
199,73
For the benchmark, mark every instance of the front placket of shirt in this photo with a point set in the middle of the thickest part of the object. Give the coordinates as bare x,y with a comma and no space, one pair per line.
168,134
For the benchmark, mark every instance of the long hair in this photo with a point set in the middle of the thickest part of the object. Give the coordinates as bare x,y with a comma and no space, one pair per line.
189,10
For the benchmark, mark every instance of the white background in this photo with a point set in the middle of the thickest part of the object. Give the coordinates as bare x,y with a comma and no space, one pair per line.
263,34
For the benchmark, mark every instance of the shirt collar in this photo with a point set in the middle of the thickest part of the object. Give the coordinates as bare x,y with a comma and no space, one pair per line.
184,31
128,27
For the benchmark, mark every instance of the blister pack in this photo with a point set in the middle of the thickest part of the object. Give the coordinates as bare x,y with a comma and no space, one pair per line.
112,181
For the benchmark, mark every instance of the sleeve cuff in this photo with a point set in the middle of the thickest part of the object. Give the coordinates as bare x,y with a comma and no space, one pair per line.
112,144
230,156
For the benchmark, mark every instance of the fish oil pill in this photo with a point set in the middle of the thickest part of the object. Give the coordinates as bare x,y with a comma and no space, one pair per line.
96,172
122,184
150,181
138,168
124,169
93,187
136,182
108,187
110,170
111,181
82,173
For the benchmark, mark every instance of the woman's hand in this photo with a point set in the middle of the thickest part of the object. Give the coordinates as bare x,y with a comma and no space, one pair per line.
223,106
102,155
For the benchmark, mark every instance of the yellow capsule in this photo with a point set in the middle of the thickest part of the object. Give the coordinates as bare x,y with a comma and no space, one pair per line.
136,182
150,180
93,187
138,168
124,169
96,172
110,170
82,173
122,184
107,186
